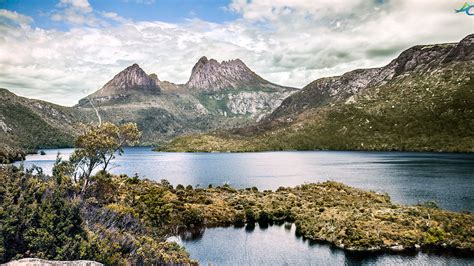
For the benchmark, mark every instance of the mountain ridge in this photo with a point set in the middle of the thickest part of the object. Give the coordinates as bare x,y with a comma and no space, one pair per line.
128,81
210,75
423,101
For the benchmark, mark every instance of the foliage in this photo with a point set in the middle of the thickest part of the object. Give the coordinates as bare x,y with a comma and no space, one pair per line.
36,219
39,217
119,217
98,145
330,211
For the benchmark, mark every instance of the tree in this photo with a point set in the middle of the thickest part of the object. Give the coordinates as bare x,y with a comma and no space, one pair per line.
98,145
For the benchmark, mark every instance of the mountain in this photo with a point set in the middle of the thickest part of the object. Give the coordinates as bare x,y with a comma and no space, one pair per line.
217,95
231,89
211,76
27,124
423,100
130,81
231,95
418,59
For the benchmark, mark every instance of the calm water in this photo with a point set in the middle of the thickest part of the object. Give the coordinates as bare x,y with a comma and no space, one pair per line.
278,245
408,178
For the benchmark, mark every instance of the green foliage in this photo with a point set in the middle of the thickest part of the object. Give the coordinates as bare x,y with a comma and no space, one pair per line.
40,217
98,145
430,204
434,235
37,219
250,215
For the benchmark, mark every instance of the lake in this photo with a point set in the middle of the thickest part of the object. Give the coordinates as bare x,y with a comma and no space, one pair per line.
409,178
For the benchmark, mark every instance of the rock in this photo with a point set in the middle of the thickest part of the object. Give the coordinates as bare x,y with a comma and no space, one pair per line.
211,76
397,248
40,262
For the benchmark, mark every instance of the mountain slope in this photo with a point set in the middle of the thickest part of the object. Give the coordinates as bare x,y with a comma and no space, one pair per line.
423,100
27,124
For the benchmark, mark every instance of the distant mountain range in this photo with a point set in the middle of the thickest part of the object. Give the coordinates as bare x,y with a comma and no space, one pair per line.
217,95
421,101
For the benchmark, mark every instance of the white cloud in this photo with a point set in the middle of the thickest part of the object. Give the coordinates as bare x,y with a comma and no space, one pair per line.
13,18
287,42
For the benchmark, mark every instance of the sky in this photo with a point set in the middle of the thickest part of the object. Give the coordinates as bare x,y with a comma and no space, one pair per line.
63,50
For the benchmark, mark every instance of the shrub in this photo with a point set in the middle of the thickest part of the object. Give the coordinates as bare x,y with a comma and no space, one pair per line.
249,215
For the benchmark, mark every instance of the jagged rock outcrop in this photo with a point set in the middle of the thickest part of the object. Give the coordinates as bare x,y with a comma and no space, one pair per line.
256,104
211,76
231,89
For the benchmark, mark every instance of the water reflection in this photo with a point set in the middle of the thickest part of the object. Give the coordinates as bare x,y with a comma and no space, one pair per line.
279,245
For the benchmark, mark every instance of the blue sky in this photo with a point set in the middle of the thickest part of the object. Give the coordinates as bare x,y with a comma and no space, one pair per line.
62,50
173,11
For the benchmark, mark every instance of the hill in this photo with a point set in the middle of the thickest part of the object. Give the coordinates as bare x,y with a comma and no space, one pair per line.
27,125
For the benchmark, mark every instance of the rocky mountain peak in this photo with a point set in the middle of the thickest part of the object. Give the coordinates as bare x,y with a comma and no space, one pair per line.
132,78
210,75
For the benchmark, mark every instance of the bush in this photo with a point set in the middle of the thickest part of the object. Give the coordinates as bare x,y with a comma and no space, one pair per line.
239,219
38,219
193,217
250,215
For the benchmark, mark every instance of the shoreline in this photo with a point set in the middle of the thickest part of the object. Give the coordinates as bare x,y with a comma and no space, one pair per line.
373,251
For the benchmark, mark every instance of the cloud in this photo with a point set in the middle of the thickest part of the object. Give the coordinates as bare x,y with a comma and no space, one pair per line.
145,2
287,42
81,13
13,18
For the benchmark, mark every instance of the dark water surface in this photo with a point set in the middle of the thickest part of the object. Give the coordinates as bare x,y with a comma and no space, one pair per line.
278,245
408,178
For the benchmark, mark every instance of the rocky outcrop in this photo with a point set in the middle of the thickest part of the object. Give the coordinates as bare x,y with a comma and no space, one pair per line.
210,75
40,262
256,104
230,88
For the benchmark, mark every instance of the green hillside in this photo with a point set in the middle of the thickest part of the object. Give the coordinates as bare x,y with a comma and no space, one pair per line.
27,125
